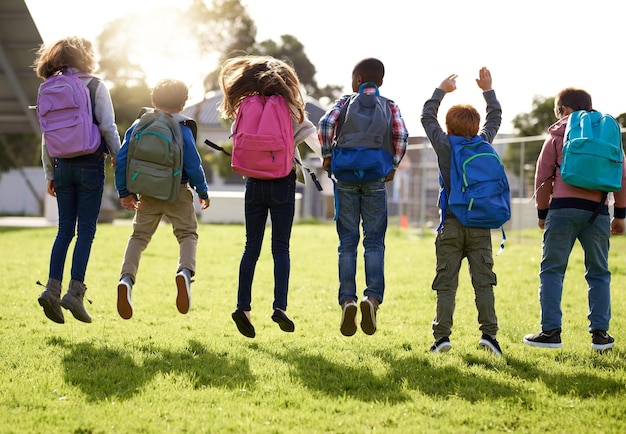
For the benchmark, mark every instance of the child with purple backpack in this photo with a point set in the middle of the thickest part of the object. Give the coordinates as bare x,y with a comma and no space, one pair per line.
77,181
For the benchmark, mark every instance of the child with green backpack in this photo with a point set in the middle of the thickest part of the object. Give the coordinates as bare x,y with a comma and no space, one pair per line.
153,141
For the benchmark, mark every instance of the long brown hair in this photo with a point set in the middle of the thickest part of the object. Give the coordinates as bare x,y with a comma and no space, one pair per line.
70,52
263,75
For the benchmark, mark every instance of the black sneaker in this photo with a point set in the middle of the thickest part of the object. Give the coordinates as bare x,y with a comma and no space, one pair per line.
441,345
601,340
490,343
545,339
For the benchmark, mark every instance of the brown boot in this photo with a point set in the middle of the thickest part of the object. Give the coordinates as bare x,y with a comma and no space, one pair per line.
73,301
50,301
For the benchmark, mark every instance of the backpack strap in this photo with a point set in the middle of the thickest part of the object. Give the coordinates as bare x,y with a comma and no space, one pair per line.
92,86
191,124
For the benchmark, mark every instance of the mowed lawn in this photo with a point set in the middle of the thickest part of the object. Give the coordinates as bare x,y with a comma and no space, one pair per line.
163,372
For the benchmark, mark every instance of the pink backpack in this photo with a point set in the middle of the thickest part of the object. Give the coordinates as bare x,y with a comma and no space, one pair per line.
65,112
263,143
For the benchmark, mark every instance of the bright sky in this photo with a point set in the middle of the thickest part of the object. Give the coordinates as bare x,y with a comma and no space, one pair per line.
534,47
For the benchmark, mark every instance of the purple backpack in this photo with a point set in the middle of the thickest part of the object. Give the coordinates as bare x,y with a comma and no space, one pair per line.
263,143
65,112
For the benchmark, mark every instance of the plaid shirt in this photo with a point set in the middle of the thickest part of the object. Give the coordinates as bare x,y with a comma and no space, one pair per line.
328,124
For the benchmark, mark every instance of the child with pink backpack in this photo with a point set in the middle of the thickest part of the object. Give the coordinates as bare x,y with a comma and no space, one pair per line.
263,96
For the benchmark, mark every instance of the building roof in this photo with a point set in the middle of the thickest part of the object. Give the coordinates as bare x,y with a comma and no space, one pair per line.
19,40
205,112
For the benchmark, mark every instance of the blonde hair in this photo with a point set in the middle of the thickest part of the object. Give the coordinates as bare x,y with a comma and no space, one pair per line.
263,75
463,120
70,52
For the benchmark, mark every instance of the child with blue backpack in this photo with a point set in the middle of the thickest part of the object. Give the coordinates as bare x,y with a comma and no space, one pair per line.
362,151
454,240
255,79
168,96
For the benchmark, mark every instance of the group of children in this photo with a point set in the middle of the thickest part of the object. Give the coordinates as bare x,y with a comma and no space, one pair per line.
356,204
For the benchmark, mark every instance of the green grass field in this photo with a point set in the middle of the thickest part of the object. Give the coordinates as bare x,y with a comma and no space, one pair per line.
163,372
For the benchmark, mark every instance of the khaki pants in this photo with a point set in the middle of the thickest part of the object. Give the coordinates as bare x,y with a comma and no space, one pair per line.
453,243
181,214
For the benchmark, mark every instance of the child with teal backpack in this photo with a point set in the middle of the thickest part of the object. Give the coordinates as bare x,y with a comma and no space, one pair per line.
569,213
454,239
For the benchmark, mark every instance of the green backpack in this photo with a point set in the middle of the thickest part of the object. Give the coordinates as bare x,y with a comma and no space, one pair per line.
155,156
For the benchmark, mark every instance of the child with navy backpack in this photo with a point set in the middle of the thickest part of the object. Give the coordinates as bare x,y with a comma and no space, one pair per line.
454,240
362,151
568,213
247,82
74,169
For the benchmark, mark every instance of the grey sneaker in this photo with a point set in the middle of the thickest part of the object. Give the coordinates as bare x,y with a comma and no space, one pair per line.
73,301
441,345
183,285
489,342
124,300
601,340
545,339
50,300
348,318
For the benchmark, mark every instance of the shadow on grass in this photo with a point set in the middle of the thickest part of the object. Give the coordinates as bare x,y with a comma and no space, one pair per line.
104,373
403,374
588,381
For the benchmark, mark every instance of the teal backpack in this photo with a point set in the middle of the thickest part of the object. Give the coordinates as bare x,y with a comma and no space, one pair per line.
155,156
592,151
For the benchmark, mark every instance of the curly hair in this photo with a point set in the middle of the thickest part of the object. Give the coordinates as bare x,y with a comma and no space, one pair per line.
263,75
70,52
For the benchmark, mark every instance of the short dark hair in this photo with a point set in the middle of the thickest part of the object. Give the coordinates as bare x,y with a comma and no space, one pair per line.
576,99
370,69
170,94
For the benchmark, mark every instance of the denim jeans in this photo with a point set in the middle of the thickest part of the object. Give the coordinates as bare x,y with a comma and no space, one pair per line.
366,204
79,185
562,228
278,198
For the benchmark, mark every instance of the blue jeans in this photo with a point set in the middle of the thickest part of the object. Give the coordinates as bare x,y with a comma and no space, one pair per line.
278,198
79,185
563,227
366,203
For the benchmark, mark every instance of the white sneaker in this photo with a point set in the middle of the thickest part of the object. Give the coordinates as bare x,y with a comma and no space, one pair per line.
124,301
183,284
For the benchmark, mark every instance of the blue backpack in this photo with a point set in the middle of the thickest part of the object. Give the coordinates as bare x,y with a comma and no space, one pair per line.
592,151
363,150
479,193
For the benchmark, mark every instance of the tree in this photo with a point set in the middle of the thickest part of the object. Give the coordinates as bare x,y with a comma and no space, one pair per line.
534,123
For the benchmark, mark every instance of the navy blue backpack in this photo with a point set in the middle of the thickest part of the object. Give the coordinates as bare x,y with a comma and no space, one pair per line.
479,193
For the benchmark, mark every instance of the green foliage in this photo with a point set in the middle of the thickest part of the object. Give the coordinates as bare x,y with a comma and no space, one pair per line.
530,124
166,372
